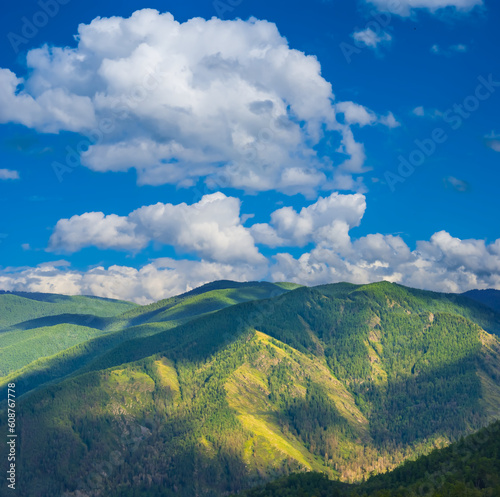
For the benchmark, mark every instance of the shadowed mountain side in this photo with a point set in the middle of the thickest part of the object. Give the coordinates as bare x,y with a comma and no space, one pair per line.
55,367
469,467
19,348
195,339
58,298
261,286
490,298
254,410
100,323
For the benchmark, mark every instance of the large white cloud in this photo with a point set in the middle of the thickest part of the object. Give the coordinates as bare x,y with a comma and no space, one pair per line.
160,279
96,229
405,7
210,228
326,221
227,100
443,263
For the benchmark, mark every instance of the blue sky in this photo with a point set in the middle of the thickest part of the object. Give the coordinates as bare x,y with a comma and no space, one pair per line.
267,144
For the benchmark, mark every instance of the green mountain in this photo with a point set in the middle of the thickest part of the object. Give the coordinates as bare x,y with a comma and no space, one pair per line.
51,346
35,325
343,379
203,300
470,467
18,307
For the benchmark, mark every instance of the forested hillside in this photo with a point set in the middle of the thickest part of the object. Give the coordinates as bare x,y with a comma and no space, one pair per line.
468,468
342,379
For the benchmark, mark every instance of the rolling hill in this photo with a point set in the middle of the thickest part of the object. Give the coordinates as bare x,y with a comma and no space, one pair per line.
201,398
17,307
54,342
37,325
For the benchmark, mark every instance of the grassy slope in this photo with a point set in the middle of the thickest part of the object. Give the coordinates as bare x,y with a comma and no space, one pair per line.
157,398
328,382
35,354
19,307
18,348
203,300
37,325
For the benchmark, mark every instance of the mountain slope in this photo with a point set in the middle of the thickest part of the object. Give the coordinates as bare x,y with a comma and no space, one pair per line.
51,347
36,325
16,307
18,348
202,300
470,467
344,379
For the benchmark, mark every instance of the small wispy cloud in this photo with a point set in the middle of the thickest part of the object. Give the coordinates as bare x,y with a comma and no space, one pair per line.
420,111
6,174
459,48
494,145
405,8
456,184
450,50
358,114
370,39
493,141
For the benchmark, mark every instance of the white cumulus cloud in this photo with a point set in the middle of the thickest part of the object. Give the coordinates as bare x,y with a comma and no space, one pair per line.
160,279
228,101
211,229
327,220
444,263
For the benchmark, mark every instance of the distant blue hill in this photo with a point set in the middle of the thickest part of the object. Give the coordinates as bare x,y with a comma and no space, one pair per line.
489,297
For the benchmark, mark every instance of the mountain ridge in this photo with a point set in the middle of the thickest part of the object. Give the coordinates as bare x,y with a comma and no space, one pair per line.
111,331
